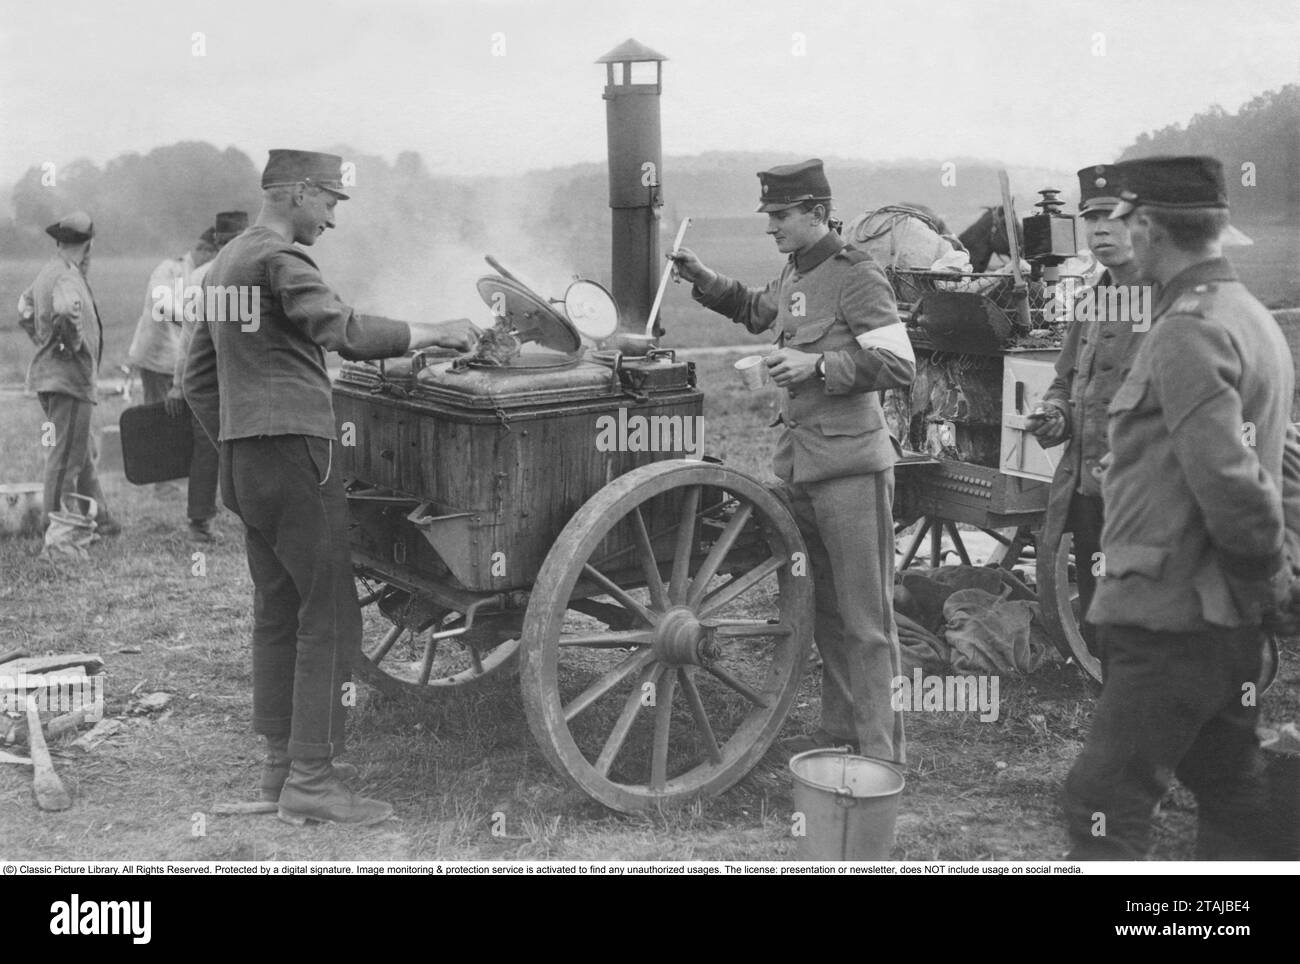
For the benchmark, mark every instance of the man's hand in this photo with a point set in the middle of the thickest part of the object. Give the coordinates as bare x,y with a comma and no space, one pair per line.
789,367
690,267
459,334
1285,619
174,403
1269,601
1048,424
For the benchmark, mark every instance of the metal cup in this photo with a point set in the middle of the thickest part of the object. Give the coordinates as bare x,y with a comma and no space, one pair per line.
753,371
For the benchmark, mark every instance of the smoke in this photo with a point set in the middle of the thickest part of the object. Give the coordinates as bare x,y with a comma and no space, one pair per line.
424,266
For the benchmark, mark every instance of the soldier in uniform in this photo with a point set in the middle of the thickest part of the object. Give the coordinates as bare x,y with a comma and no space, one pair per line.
59,314
262,389
1193,539
201,499
1092,365
840,343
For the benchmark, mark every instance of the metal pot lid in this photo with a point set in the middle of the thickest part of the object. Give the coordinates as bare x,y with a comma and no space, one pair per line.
591,308
534,361
532,318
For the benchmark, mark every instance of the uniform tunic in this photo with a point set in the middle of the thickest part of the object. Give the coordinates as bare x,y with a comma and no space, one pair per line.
1093,363
58,313
261,386
835,458
1193,497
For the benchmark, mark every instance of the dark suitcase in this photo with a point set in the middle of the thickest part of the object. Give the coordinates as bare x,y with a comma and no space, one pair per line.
156,446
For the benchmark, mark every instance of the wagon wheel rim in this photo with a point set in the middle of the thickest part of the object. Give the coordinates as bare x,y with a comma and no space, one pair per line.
1059,598
399,656
720,657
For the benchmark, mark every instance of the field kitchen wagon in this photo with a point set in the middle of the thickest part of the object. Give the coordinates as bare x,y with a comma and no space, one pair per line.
537,509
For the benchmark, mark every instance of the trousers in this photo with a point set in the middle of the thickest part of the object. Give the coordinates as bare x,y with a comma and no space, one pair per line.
70,460
1172,704
205,461
847,524
1085,520
306,621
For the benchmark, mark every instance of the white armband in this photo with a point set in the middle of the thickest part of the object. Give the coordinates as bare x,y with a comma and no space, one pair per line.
891,338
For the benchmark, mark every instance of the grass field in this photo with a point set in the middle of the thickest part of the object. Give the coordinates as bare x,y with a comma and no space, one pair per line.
465,777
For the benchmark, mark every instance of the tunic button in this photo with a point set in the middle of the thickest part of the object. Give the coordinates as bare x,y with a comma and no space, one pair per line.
1097,472
792,423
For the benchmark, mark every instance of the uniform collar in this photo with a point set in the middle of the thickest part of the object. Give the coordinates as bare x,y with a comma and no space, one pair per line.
829,245
1214,269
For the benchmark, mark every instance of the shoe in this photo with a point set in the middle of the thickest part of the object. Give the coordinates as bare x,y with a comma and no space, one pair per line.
275,768
108,527
314,792
201,531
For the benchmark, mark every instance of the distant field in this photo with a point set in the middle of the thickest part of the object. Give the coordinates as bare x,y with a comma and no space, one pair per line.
737,247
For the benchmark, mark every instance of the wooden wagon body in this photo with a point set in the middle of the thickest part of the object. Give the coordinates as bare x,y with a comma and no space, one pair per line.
559,519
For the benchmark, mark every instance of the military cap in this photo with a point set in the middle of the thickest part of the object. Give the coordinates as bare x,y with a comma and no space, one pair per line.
1191,181
230,223
1098,188
73,229
789,185
286,167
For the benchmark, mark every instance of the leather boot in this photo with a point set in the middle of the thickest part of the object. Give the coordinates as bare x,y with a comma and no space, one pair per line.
275,769
315,792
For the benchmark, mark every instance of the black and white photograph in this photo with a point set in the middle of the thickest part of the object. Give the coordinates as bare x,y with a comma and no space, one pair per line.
730,438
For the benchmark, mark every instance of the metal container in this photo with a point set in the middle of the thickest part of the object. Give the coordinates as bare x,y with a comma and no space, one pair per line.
473,472
849,804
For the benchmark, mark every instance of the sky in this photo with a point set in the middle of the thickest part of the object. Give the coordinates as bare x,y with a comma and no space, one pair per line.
484,87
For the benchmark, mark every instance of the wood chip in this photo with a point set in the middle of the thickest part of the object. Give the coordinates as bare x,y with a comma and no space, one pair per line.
102,730
153,702
65,724
254,806
33,665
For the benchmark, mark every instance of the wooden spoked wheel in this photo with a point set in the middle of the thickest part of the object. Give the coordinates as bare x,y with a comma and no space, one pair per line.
666,634
399,655
1058,594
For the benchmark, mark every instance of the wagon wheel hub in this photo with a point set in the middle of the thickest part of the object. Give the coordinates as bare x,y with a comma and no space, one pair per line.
681,639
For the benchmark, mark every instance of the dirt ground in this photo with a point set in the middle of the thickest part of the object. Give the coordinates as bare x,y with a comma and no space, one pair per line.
465,777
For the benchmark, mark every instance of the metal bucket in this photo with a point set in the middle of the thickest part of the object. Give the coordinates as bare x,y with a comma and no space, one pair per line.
849,805
22,505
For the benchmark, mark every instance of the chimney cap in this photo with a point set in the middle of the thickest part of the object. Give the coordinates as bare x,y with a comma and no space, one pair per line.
630,50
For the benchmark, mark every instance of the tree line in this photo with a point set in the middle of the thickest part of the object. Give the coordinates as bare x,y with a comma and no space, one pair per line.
159,202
